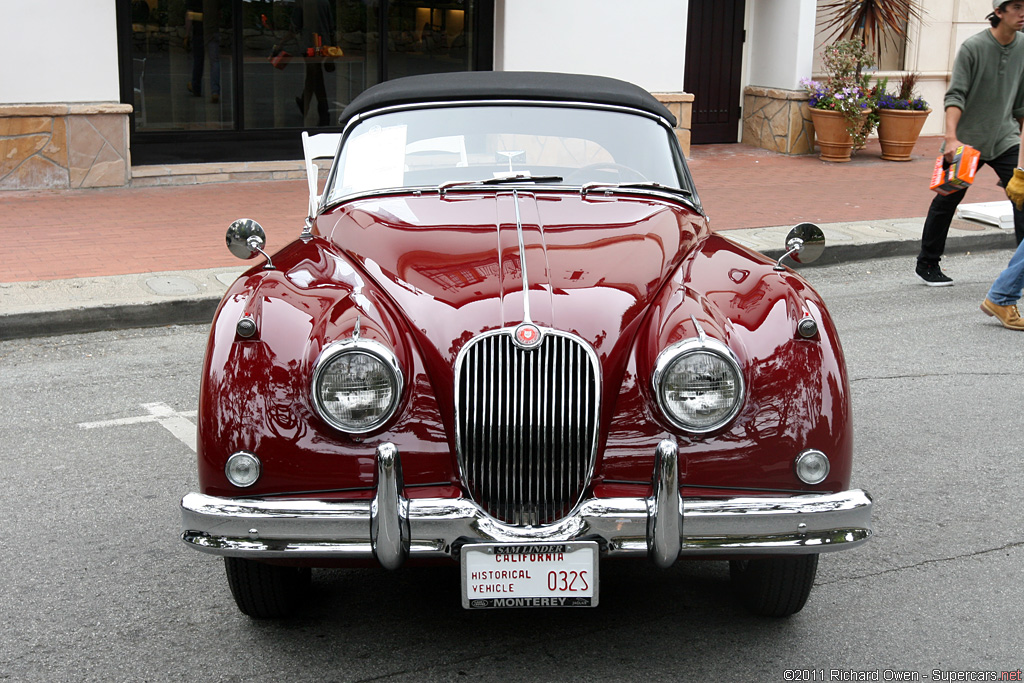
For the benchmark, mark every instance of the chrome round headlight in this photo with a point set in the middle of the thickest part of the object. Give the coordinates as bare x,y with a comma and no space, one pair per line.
698,384
356,385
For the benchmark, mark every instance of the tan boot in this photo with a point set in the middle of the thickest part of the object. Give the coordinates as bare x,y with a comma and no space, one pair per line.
1009,316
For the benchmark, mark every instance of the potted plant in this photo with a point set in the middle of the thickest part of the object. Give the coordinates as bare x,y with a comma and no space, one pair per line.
839,105
900,119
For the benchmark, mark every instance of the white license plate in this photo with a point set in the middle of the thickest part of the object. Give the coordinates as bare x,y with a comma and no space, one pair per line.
529,575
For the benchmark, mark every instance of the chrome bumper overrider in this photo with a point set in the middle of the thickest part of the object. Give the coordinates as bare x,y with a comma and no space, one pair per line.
392,528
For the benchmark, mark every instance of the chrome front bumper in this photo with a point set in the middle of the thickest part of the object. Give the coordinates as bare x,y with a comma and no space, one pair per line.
392,528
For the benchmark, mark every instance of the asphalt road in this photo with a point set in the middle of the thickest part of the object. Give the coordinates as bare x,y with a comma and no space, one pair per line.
95,452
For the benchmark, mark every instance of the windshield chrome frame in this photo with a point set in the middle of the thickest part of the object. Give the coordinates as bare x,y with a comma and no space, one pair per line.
693,201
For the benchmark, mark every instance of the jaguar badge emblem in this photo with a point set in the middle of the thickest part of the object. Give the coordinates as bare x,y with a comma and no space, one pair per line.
527,336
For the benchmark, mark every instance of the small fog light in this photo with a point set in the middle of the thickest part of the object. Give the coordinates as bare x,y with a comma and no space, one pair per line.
811,466
242,469
807,328
246,327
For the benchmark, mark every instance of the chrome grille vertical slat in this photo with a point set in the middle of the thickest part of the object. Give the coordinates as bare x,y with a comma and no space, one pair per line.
531,447
486,457
581,391
519,483
545,428
526,422
566,434
499,453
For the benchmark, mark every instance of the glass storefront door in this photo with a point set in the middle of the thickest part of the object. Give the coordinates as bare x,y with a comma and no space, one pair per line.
310,58
216,80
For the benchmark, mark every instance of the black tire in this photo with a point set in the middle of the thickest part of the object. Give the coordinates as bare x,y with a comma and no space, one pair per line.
266,591
774,586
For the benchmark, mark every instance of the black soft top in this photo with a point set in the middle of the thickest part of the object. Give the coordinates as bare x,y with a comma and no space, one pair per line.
505,85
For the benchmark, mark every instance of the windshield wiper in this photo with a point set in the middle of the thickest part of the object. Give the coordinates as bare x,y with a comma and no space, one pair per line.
501,180
589,187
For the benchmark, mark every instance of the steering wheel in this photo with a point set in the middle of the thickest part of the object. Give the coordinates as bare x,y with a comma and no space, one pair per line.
626,173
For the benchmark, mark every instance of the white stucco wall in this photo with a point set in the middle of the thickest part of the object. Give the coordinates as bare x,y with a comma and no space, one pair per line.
642,41
58,51
781,45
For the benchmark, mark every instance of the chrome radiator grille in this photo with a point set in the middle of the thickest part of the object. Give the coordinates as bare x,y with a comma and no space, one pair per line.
526,423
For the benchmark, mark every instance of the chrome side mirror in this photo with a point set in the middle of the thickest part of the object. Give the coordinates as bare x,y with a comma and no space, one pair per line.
804,244
246,238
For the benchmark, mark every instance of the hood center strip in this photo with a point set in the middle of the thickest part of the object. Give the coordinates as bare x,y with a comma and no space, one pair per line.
522,259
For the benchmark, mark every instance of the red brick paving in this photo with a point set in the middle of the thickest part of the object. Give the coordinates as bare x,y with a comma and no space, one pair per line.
745,187
48,235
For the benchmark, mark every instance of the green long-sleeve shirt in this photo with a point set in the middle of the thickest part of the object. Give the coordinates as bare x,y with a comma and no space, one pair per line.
988,87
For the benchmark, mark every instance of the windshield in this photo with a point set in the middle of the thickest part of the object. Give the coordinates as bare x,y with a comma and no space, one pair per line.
566,145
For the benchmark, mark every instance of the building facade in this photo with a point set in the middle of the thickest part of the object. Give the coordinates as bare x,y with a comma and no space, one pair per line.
128,83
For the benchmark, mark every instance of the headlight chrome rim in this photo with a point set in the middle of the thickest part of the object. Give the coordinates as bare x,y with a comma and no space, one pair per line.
812,466
252,463
368,347
673,354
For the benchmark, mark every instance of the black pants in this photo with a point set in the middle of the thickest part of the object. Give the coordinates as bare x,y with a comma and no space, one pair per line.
943,208
315,87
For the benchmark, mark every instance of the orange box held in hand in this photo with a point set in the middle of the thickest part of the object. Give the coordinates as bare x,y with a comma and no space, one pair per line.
280,59
950,177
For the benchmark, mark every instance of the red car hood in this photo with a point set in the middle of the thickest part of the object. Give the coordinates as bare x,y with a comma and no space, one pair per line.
456,268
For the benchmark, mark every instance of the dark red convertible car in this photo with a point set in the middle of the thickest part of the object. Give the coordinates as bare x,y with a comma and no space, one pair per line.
508,339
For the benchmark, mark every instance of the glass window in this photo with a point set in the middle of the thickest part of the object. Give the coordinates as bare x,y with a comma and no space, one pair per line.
428,37
307,60
182,65
198,67
427,147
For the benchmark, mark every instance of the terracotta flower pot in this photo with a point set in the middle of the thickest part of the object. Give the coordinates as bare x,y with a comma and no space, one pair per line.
898,130
832,135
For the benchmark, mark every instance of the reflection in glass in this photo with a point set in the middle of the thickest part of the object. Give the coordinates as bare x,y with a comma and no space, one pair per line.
306,60
297,63
428,37
182,67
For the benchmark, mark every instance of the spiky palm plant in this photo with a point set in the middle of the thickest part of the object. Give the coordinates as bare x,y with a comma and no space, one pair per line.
871,21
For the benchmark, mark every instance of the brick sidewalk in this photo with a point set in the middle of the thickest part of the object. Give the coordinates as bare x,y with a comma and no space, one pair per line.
52,235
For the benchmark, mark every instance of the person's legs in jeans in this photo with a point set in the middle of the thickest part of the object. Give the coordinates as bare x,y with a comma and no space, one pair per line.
1002,298
1006,290
1003,165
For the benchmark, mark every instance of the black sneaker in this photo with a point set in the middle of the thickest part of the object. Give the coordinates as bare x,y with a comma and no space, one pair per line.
932,275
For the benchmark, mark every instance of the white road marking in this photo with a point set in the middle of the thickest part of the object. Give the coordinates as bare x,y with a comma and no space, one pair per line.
177,423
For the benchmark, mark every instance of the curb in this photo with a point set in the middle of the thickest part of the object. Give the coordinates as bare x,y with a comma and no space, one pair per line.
105,318
845,253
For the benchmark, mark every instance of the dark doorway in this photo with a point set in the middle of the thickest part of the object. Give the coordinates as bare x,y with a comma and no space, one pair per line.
714,59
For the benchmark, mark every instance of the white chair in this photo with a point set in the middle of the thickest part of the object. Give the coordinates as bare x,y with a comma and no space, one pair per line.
322,146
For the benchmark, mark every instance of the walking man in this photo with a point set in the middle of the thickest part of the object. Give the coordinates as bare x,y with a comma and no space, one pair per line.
984,108
1008,288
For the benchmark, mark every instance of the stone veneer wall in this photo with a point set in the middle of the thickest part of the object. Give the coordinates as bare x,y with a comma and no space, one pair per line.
681,106
777,120
61,146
